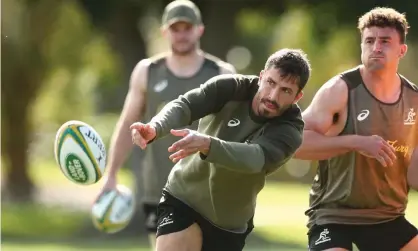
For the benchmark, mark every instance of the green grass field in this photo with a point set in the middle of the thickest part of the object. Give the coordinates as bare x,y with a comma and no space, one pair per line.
280,221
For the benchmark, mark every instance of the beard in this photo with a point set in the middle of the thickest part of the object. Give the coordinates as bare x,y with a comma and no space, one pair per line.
266,113
185,50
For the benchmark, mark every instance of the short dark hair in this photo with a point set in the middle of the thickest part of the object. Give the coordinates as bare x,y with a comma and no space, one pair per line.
292,63
385,17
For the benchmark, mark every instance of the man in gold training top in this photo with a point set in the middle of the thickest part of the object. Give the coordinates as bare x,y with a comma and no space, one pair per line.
360,126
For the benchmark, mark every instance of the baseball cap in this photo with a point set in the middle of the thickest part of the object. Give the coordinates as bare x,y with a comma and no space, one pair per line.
181,10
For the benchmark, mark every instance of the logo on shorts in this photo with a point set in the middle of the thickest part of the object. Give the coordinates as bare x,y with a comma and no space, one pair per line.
323,237
166,220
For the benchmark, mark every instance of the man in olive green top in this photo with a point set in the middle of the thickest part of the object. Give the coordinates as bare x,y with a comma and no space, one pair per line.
154,82
360,126
249,127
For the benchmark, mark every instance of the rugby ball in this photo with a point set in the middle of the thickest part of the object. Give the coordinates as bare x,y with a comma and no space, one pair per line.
80,152
113,210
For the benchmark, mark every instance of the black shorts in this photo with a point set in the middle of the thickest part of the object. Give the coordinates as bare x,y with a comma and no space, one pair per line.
150,211
388,236
175,216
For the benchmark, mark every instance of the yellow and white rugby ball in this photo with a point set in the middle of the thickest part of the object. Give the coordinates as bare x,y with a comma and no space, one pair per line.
113,210
80,152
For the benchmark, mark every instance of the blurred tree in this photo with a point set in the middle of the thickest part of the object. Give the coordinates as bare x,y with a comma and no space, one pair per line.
118,20
331,15
25,26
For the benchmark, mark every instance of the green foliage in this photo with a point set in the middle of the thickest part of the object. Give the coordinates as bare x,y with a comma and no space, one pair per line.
80,61
295,30
255,28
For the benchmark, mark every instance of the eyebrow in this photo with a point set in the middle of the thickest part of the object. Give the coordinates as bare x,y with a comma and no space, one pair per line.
381,37
271,79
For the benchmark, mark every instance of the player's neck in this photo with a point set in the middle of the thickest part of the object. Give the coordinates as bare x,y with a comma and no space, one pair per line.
185,65
385,85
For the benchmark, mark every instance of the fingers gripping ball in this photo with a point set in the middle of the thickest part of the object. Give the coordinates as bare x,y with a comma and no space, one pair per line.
80,152
113,210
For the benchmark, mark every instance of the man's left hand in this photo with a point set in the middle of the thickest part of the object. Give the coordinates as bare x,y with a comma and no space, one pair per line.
191,143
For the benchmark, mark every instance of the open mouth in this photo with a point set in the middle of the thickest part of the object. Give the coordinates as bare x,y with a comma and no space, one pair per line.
270,106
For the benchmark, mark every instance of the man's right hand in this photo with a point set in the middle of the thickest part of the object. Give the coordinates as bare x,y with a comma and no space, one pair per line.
142,134
110,183
376,147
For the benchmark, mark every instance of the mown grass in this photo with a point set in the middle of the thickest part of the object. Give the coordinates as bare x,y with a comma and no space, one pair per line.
279,219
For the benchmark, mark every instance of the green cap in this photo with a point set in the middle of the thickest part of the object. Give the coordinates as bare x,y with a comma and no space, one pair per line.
181,10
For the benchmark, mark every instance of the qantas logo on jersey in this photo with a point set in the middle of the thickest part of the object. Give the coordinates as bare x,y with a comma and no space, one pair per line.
404,149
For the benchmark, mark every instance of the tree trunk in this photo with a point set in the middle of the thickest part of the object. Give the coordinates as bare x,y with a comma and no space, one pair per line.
23,69
18,185
215,14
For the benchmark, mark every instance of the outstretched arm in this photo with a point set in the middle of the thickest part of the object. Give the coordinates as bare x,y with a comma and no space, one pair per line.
199,102
276,144
319,142
121,142
265,154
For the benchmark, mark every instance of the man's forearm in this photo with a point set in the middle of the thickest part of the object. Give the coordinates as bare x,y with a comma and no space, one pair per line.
120,148
316,146
240,157
174,115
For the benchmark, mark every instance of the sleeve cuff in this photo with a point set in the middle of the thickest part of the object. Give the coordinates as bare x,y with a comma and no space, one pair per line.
158,131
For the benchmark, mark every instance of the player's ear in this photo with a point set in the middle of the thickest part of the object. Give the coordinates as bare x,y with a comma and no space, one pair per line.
261,76
404,49
298,97
163,30
201,29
